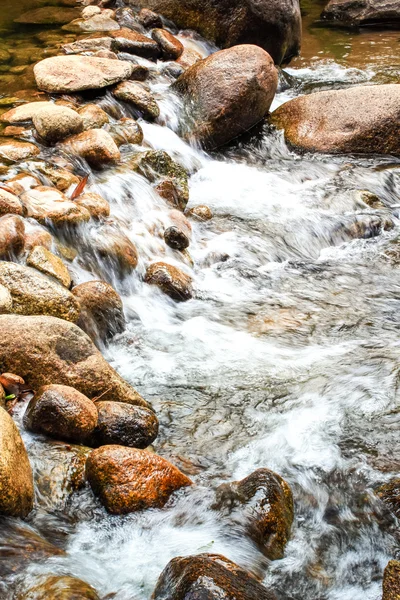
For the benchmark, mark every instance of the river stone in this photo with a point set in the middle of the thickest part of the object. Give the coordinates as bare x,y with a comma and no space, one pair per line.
179,234
125,425
96,146
54,123
188,58
373,13
16,481
6,307
127,480
227,93
61,412
275,25
66,74
112,250
45,203
173,179
102,311
171,47
391,581
137,95
263,501
333,122
9,203
95,204
22,113
36,236
89,45
208,576
171,280
49,15
149,19
57,587
201,212
93,116
126,131
12,236
102,22
45,350
43,260
90,11
36,294
127,40
13,151
58,176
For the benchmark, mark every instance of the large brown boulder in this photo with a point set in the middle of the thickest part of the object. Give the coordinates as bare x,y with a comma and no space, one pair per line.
263,504
373,13
127,480
227,93
45,350
391,581
57,587
66,74
16,482
275,25
61,412
208,576
364,119
125,425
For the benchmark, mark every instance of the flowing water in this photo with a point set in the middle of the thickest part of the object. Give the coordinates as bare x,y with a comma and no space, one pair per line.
287,358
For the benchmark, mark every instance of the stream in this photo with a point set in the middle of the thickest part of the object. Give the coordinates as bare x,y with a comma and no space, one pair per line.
288,357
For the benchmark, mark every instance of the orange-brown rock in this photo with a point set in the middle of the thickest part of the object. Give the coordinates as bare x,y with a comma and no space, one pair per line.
56,587
93,116
127,480
111,249
12,236
49,204
171,47
208,576
149,18
134,42
95,204
201,212
43,260
9,203
391,581
125,425
126,131
179,232
13,151
171,280
96,146
139,97
36,236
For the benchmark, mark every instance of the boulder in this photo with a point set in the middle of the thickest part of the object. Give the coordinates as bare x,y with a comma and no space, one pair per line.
102,311
36,294
171,47
12,236
362,120
54,123
43,260
9,203
66,74
57,587
93,116
48,15
22,113
208,576
16,481
61,412
227,94
128,480
45,350
171,280
48,204
263,504
13,151
139,97
125,425
126,131
95,204
353,13
391,581
96,146
201,212
127,40
275,25
89,45
171,178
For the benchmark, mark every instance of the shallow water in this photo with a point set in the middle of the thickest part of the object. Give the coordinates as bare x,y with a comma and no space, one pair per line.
288,357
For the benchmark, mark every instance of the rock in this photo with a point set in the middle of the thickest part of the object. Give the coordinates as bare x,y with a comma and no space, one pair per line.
171,280
391,581
125,425
173,180
6,306
48,204
22,113
61,412
389,493
43,260
90,11
171,47
96,146
333,122
126,17
137,95
373,13
188,58
48,15
134,42
12,236
149,19
66,74
56,587
22,182
95,204
263,504
14,151
58,176
201,212
173,69
16,481
36,236
208,576
89,45
275,25
127,480
227,93
35,294
170,191
54,123
113,249
126,131
102,22
102,311
5,56
179,234
17,132
9,203
93,116
45,350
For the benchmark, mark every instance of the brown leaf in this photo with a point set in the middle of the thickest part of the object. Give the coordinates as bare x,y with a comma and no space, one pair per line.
80,187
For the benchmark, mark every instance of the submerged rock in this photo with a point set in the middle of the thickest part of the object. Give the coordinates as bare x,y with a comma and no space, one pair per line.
227,93
45,350
275,25
16,481
333,122
373,13
48,263
171,178
95,204
58,176
49,204
48,15
171,280
125,425
201,212
110,250
208,576
128,480
391,581
57,587
126,131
